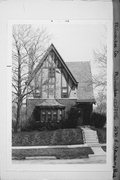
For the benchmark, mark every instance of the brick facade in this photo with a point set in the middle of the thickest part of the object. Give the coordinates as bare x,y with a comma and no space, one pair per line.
32,103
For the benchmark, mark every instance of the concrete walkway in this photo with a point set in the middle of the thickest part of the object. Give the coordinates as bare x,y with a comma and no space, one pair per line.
90,136
91,139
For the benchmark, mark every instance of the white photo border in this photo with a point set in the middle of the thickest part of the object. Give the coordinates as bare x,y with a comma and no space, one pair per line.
66,167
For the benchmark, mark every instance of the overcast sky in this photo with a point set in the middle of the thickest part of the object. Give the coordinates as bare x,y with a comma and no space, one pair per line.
76,40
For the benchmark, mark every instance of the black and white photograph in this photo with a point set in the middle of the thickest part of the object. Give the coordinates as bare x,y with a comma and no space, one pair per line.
59,92
59,65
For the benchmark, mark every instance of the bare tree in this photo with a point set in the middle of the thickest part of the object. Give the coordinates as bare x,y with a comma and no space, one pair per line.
27,48
100,80
100,58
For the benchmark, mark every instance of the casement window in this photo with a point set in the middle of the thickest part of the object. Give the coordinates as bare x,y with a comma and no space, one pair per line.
49,116
64,92
55,115
51,72
37,92
43,118
64,87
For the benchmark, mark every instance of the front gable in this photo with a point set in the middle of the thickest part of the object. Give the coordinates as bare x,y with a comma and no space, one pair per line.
52,78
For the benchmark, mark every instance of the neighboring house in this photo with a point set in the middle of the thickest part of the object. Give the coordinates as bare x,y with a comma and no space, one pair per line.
57,86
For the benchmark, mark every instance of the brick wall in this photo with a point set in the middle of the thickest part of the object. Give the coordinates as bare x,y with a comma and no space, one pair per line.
31,103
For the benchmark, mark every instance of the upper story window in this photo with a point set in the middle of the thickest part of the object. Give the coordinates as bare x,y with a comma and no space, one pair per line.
64,87
37,92
64,92
51,72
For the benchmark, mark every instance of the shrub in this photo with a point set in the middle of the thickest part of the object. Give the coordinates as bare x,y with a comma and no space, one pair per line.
98,120
102,135
41,126
41,138
71,121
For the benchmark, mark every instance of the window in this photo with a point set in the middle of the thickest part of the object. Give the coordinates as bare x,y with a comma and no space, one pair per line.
64,84
51,72
43,116
64,92
37,92
49,116
54,115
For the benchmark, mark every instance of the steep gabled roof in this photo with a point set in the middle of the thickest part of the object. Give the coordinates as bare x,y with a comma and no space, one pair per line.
52,47
82,72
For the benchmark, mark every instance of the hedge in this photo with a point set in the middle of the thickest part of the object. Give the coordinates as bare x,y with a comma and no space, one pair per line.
98,120
39,138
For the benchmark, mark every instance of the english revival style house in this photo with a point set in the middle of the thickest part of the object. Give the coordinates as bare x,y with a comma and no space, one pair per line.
57,87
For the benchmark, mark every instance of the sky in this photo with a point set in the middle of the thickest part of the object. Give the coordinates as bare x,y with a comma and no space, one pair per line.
77,40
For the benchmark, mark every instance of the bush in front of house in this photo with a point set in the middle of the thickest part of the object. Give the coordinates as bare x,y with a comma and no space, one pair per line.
98,120
42,126
41,138
102,135
71,121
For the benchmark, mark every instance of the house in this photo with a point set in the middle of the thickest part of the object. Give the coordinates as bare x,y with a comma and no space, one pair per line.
57,87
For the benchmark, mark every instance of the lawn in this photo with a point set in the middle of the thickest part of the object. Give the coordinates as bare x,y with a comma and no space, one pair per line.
59,153
42,138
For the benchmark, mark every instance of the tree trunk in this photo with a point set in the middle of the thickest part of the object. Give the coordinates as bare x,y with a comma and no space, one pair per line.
18,118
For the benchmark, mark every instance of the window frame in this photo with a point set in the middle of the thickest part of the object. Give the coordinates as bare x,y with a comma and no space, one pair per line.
51,72
64,94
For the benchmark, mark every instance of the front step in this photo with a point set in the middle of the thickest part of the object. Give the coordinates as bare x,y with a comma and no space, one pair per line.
90,136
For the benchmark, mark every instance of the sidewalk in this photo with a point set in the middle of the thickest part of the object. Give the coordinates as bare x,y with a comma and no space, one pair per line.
91,139
56,146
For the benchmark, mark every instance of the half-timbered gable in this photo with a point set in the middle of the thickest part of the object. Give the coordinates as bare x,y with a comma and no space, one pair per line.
53,79
57,86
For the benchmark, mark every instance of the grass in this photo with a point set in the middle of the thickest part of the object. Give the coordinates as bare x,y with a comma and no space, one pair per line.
59,153
41,138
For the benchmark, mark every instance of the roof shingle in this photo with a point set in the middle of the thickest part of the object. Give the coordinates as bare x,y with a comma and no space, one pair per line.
82,72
